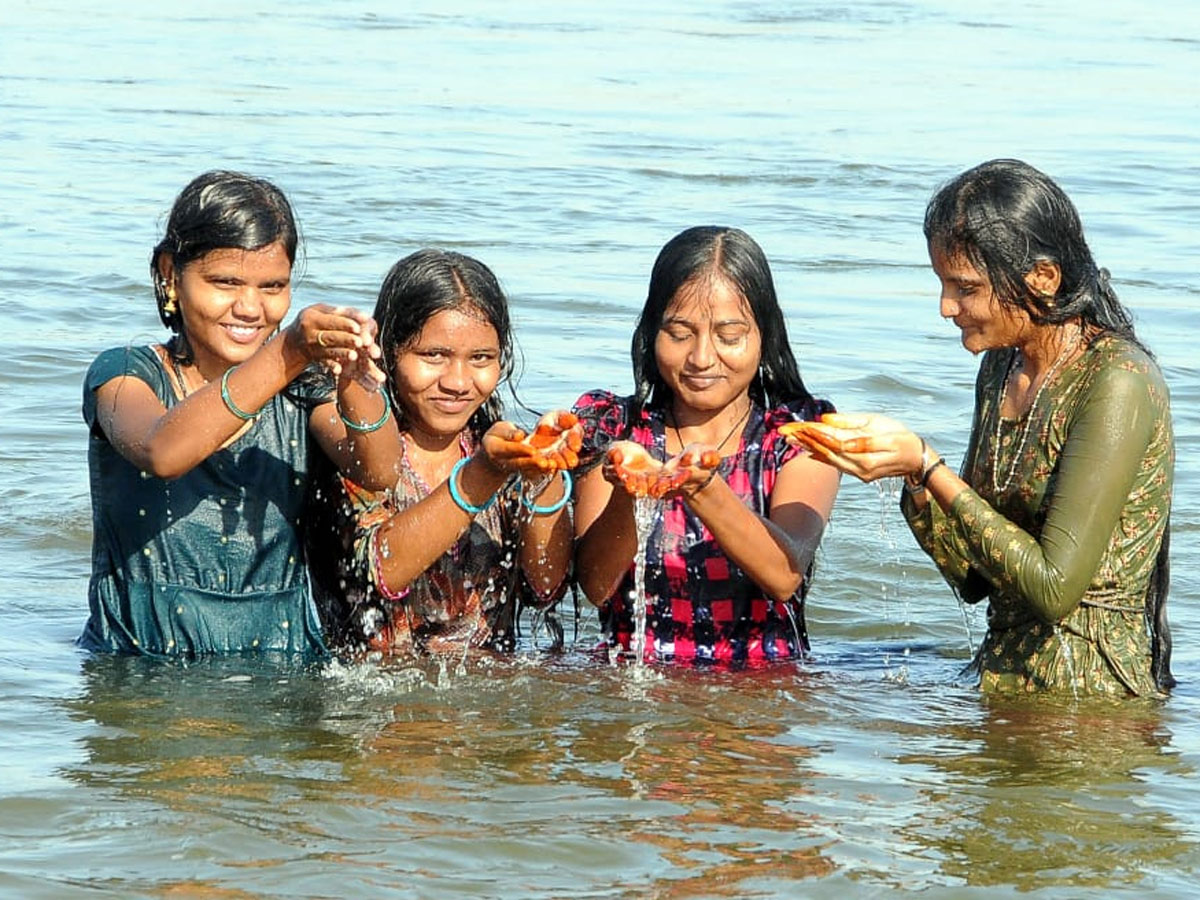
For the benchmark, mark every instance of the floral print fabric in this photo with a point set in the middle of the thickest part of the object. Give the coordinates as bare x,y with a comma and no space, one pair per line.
1084,516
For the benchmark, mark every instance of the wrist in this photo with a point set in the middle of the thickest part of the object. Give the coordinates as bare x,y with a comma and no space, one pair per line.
918,479
469,482
289,343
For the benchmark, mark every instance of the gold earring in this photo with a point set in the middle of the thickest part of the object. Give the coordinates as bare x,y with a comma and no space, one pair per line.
170,307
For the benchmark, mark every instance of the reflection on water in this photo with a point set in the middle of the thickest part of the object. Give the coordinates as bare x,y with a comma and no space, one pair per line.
1043,792
543,771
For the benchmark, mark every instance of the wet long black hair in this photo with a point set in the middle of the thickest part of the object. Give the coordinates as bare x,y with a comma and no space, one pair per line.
219,210
710,251
430,281
1004,216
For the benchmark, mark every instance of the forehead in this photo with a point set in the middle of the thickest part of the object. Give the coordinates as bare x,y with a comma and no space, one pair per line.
271,256
954,266
709,297
465,325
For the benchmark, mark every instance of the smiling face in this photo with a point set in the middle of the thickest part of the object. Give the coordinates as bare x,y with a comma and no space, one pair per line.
444,376
230,301
708,347
968,299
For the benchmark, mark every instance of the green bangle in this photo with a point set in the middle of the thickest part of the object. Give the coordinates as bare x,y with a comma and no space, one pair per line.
368,427
229,404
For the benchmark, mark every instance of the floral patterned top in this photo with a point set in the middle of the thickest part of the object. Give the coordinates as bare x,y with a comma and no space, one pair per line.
700,606
471,596
1065,551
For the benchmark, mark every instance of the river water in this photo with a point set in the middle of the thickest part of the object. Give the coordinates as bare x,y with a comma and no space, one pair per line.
564,145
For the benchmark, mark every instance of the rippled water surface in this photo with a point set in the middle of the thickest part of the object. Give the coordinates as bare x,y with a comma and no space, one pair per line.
564,145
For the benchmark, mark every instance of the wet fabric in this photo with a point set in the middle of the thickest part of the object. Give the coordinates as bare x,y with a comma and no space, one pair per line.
700,605
470,597
210,562
1066,551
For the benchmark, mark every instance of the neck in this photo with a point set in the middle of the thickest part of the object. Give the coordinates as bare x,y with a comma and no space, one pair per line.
1045,345
712,427
429,442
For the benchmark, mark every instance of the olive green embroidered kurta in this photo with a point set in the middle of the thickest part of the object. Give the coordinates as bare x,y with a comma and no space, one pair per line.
1064,551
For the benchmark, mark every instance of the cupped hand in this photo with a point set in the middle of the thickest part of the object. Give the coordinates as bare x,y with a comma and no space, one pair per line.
342,339
553,444
868,446
630,465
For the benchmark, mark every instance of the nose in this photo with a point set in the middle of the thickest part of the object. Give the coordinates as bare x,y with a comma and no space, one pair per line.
456,379
247,304
948,306
702,353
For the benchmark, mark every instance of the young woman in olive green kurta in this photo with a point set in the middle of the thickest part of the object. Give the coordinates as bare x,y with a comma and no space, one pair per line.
1085,512
1061,514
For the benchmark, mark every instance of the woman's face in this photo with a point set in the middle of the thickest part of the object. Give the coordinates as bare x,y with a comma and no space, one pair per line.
448,372
231,301
708,346
967,299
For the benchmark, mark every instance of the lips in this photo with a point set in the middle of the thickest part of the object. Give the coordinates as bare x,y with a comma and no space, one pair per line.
699,382
450,406
243,334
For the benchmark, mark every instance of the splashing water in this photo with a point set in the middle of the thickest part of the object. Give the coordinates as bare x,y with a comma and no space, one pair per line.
645,510
1068,659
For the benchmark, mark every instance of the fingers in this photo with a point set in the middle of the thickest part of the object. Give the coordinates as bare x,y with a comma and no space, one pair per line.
852,421
557,439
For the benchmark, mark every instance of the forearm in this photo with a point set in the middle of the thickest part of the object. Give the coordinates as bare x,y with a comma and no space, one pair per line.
414,538
605,550
180,438
944,542
546,539
765,552
369,449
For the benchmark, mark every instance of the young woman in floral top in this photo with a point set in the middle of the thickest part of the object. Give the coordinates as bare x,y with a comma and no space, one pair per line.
741,512
476,521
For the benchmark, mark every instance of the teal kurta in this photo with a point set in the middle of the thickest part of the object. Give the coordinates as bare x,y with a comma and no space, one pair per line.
1065,549
210,562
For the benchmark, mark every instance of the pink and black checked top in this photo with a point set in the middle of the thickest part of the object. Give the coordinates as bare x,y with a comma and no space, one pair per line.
700,606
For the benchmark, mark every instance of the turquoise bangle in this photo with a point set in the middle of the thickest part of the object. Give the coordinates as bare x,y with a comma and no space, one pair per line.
368,427
452,481
229,404
556,505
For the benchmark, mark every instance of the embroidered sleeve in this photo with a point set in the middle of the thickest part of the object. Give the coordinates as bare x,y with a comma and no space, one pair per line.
1094,475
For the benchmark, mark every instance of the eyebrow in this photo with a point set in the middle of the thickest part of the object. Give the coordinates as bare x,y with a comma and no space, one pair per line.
672,320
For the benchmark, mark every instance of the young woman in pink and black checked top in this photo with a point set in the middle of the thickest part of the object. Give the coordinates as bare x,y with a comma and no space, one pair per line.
730,552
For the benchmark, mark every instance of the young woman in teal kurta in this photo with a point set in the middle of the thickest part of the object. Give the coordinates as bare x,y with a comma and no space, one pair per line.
198,447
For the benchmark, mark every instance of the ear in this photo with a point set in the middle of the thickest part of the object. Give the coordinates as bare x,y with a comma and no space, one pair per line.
1044,278
166,269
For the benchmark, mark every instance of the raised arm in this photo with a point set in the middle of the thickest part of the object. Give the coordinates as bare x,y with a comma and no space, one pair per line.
169,443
